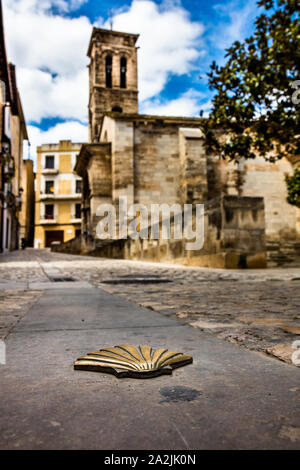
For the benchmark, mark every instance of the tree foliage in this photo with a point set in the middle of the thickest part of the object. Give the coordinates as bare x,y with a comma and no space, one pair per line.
293,186
254,105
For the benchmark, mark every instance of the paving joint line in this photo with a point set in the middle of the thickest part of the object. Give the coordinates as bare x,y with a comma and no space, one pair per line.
98,329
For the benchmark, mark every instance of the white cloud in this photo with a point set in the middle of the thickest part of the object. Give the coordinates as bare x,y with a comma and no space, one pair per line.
237,18
189,104
53,97
50,54
37,41
71,130
49,51
22,6
169,42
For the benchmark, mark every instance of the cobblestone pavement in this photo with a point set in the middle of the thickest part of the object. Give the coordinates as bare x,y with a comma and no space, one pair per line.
14,304
256,309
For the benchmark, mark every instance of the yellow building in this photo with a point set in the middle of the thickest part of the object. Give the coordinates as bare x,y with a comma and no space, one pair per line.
58,194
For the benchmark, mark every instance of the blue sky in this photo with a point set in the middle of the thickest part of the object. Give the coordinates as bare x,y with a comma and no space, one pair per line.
48,40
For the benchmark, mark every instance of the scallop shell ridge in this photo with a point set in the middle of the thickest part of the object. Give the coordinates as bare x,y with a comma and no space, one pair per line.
131,361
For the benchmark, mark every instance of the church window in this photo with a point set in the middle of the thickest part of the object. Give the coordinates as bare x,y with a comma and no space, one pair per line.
108,71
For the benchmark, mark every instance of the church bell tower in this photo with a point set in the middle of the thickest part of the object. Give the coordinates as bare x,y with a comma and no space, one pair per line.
113,76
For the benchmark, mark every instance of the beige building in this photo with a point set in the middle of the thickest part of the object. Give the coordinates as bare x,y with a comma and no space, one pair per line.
58,194
12,134
162,159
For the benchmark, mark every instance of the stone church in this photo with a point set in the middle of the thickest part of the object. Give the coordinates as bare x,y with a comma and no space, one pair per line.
162,159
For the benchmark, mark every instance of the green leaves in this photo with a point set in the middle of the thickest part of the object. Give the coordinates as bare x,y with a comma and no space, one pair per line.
253,102
293,186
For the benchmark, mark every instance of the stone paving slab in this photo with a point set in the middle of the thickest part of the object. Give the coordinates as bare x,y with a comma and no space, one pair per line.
245,307
87,308
261,316
14,304
13,285
48,285
229,398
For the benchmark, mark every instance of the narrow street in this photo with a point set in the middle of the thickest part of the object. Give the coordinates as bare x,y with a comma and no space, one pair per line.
257,309
241,392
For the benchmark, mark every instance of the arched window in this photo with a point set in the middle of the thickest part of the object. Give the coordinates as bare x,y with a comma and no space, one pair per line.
117,109
108,71
123,66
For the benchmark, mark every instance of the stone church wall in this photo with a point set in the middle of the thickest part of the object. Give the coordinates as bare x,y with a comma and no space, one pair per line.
157,165
163,160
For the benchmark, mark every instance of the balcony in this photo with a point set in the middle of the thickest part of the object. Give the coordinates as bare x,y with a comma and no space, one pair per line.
74,196
75,220
48,220
9,168
45,196
52,196
49,171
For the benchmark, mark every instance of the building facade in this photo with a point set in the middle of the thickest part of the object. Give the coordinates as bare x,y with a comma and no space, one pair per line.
12,134
163,159
58,194
26,217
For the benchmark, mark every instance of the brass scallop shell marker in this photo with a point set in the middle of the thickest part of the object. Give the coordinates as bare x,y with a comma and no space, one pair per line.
140,362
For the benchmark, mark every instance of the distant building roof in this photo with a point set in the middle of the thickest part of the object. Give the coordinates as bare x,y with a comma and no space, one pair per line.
61,146
150,117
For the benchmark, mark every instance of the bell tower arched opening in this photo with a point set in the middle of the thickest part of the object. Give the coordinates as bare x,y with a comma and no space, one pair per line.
123,72
108,71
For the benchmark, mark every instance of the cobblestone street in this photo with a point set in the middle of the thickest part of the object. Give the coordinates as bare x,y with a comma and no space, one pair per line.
235,394
258,310
149,228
